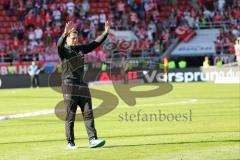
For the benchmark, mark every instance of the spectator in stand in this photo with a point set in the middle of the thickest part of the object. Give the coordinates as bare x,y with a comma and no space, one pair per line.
153,26
20,10
148,6
102,20
29,5
145,53
189,19
14,53
85,31
94,18
133,18
165,38
113,6
32,40
56,15
48,35
173,23
70,8
39,22
12,8
31,35
157,48
93,30
226,45
208,15
125,22
218,45
38,34
36,7
29,20
25,48
217,18
48,18
55,32
85,6
16,43
17,30
221,4
21,30
120,9
139,8
14,30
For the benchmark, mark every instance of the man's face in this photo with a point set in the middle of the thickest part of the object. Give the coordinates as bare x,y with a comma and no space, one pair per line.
237,42
72,39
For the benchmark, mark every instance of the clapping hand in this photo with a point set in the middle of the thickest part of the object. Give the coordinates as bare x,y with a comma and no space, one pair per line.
107,26
69,27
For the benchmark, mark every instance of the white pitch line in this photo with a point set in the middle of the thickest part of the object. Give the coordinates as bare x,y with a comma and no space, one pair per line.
45,112
173,103
28,114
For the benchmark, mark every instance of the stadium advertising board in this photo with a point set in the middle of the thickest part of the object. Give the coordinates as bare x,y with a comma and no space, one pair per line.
177,75
18,68
202,44
230,74
191,75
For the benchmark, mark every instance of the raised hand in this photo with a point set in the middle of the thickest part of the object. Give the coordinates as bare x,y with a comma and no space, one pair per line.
69,27
107,26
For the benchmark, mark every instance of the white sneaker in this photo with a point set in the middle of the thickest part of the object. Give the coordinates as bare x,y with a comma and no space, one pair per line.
71,145
94,143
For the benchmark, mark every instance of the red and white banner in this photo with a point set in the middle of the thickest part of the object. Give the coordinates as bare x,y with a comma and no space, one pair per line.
125,41
185,33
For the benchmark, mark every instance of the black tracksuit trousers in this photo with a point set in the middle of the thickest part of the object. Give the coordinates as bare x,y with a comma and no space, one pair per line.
78,95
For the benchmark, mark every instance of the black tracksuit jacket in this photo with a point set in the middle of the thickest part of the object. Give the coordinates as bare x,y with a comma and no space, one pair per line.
72,57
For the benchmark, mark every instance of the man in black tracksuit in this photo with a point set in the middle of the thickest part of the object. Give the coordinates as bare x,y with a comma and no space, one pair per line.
75,91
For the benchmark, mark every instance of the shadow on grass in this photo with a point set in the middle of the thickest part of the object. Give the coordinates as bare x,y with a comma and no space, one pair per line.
167,143
142,135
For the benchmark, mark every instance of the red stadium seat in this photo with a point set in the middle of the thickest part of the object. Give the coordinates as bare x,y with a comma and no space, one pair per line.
8,30
3,13
13,18
2,30
106,5
7,18
7,36
93,5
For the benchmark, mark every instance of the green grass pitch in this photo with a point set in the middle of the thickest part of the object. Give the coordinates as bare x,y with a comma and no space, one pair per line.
212,134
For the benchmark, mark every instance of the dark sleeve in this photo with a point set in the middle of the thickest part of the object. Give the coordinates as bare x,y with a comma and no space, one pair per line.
86,48
60,44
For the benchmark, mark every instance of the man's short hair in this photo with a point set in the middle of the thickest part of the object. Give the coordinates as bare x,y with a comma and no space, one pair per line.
74,31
